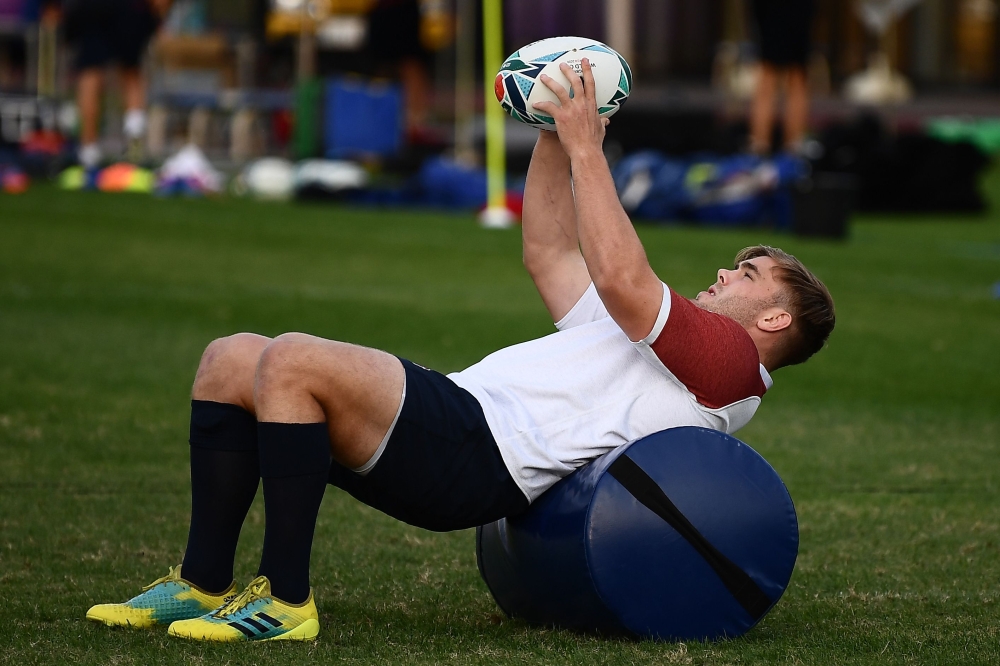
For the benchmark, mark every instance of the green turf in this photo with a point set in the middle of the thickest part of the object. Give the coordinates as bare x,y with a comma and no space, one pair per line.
888,440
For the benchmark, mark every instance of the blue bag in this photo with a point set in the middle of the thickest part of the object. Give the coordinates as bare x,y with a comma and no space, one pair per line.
362,118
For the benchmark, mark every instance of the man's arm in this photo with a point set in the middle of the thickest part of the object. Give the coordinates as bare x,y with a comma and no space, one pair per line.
548,229
614,256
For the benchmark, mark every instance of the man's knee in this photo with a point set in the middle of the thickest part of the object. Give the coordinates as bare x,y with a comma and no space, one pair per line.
284,362
226,370
240,349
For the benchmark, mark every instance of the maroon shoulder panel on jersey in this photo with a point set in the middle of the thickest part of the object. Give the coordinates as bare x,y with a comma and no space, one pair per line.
712,355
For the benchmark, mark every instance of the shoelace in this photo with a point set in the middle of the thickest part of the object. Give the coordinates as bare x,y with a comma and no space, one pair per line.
257,589
173,575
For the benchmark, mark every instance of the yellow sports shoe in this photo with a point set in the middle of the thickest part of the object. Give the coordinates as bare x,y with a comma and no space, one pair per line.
163,601
253,616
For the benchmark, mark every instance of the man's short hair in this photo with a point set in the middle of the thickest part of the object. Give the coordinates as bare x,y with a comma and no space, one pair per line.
805,297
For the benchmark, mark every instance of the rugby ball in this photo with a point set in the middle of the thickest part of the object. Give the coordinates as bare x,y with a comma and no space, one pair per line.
518,85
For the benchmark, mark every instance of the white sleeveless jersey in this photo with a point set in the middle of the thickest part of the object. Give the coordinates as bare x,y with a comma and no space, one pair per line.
557,402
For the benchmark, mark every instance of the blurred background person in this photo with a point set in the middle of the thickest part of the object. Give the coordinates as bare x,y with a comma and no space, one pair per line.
104,32
395,40
784,29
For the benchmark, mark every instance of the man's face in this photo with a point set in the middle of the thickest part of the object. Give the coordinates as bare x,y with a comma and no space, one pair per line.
744,292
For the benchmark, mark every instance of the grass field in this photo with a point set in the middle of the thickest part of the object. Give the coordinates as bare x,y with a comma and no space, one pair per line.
888,440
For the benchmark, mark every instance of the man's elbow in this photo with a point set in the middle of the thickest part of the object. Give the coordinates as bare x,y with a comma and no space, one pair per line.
622,286
538,261
531,262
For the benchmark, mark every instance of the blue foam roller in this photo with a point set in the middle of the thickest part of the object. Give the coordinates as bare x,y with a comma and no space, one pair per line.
699,545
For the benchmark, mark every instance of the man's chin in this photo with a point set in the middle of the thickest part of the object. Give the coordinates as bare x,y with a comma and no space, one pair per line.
705,301
744,310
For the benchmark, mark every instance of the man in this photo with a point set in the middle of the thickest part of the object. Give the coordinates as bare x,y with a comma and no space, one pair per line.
784,29
107,32
630,358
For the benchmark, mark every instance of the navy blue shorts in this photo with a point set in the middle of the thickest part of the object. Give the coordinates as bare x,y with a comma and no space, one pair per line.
441,469
785,30
105,31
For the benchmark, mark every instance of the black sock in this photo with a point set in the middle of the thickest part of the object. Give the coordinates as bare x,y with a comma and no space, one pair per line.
225,473
295,467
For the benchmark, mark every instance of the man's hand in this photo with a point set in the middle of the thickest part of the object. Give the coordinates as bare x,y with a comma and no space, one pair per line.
578,125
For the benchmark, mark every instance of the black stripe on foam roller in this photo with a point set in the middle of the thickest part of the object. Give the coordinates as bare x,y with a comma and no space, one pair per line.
649,494
246,632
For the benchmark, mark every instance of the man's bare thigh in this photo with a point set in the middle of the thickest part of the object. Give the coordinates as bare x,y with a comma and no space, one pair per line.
356,390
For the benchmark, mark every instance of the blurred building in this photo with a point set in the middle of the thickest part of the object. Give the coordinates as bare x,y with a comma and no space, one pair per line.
937,44
224,72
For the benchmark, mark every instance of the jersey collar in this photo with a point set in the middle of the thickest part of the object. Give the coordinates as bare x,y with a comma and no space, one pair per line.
764,375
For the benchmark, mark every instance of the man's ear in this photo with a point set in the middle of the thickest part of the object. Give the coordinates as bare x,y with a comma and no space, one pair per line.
773,320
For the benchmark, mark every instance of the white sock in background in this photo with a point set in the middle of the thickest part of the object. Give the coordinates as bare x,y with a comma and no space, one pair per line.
89,155
135,124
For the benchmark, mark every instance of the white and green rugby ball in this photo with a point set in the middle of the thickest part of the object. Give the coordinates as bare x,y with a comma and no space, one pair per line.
518,84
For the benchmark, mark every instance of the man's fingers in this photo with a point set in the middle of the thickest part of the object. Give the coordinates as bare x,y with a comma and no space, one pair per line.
590,87
550,108
574,80
605,121
557,88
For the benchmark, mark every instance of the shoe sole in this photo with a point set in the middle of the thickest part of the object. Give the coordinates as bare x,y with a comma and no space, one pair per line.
306,631
113,623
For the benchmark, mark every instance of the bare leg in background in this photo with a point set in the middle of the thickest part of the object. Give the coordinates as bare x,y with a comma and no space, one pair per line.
796,107
762,109
89,87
